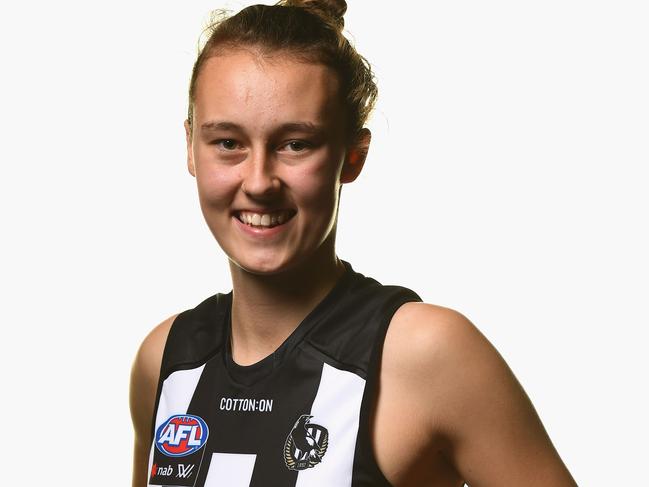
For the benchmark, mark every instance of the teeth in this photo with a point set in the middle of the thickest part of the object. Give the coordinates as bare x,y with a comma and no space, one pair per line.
264,219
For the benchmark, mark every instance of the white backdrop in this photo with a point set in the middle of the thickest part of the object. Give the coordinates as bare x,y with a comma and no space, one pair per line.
507,179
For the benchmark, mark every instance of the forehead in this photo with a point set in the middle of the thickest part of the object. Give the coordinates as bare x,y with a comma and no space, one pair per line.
246,87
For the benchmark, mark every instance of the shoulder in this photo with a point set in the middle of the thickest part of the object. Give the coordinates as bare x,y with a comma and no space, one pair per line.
145,374
446,359
427,335
149,354
143,389
466,394
424,338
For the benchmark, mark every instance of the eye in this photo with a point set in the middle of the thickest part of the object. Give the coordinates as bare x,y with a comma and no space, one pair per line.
297,145
226,144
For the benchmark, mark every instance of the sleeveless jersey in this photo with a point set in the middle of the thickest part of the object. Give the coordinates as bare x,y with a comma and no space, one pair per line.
299,417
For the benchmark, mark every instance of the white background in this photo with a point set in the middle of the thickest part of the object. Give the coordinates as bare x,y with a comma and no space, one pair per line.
507,179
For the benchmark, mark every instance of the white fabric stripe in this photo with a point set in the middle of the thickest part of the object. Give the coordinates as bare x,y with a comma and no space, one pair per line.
230,470
177,392
337,407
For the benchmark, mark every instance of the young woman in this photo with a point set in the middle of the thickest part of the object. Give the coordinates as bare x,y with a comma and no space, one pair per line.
308,373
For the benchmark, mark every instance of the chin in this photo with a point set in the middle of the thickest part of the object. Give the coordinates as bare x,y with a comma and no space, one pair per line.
262,266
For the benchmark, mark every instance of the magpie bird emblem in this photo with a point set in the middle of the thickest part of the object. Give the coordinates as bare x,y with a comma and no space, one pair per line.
306,444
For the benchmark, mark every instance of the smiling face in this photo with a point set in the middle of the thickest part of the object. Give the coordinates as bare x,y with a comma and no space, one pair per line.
269,154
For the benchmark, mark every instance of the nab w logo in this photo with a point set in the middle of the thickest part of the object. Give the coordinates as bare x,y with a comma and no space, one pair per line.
185,471
181,435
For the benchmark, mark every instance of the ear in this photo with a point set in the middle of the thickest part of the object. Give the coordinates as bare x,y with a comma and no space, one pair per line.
355,157
190,152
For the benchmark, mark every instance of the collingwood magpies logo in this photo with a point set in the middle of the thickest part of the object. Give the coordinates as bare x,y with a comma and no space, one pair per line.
306,444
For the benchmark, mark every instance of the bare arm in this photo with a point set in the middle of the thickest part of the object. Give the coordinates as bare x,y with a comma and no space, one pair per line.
143,387
495,436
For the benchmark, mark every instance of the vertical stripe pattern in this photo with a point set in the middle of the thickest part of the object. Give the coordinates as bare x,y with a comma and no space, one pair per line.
230,470
337,408
177,392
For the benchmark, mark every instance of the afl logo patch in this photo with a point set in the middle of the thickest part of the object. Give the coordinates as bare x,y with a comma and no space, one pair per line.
305,445
181,435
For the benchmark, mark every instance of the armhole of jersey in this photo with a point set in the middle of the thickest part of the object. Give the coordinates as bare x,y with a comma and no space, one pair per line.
364,449
177,338
163,372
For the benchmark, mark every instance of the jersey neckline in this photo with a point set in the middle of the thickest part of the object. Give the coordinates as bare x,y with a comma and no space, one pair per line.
248,375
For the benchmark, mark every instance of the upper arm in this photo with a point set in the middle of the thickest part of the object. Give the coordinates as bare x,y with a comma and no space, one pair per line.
145,373
496,437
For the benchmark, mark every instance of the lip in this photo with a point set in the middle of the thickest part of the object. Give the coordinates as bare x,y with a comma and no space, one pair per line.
261,232
261,210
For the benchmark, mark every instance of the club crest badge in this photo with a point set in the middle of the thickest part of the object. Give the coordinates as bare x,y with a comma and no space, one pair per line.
305,445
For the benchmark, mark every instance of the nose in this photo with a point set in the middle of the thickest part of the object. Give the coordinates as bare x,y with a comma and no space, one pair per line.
258,178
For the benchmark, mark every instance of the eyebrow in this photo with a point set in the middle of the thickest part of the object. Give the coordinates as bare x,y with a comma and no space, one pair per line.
215,125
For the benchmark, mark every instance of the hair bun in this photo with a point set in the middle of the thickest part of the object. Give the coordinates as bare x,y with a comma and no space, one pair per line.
331,10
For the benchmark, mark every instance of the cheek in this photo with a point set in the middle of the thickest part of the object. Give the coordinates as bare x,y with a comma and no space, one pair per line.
215,186
318,190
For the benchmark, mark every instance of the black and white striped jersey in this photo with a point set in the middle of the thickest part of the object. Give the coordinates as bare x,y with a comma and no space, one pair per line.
299,417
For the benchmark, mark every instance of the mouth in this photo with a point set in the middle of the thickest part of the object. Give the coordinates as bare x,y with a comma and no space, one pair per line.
265,219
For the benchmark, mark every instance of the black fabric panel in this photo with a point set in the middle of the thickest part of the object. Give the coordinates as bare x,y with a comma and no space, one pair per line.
366,472
353,321
320,314
346,330
195,335
292,390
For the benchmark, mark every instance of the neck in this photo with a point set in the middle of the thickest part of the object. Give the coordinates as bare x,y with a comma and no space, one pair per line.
266,309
